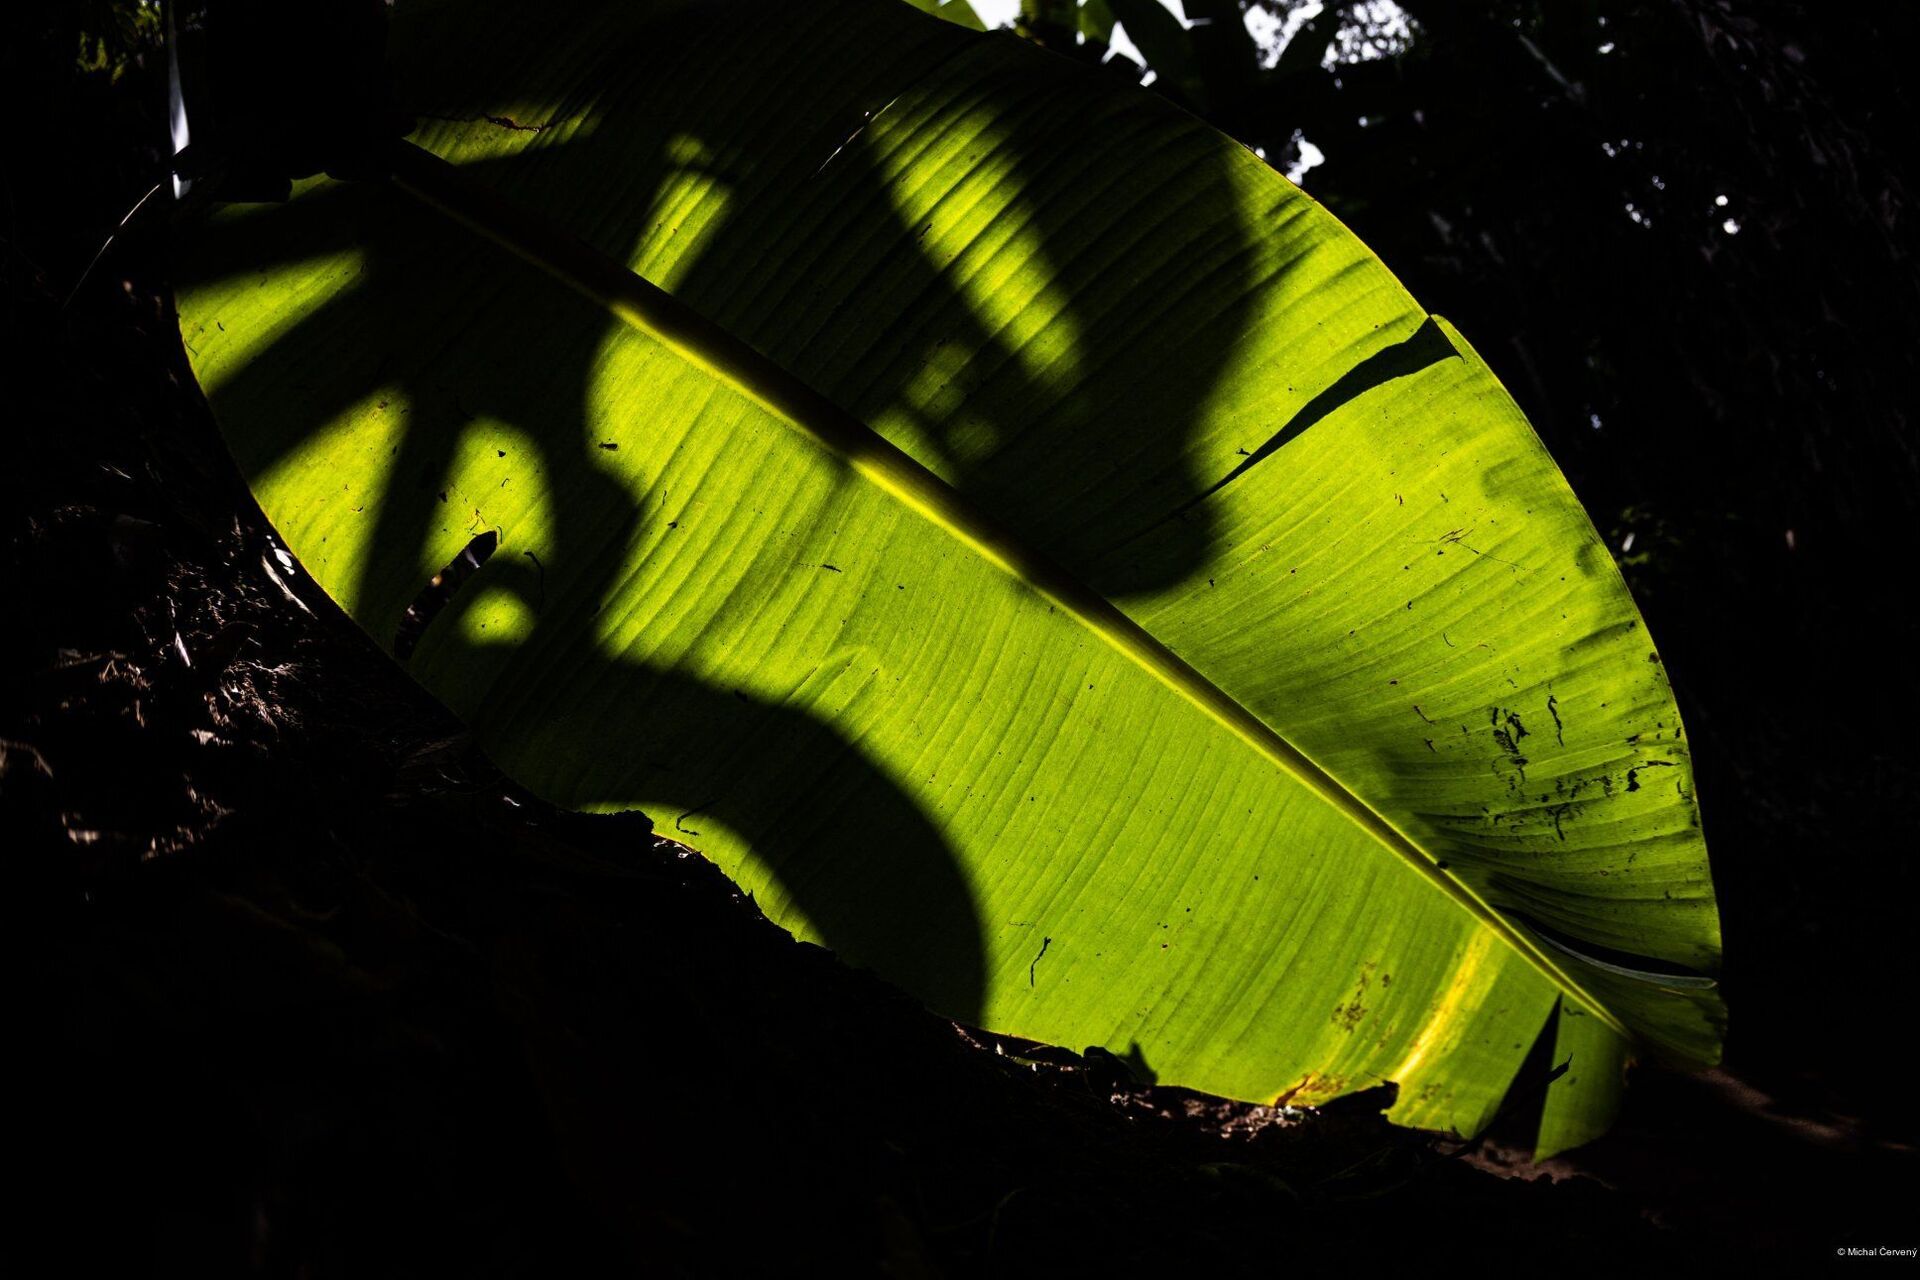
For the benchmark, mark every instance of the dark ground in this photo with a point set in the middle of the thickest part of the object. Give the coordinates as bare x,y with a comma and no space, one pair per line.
305,988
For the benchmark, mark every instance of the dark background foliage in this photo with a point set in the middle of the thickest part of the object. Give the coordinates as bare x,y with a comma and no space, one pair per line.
306,988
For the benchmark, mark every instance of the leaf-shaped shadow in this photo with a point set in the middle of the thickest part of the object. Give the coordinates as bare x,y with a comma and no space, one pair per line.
1140,328
835,831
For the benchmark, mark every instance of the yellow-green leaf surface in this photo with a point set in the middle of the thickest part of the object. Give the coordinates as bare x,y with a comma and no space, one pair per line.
1034,548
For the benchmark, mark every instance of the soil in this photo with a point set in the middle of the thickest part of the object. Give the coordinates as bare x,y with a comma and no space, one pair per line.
308,988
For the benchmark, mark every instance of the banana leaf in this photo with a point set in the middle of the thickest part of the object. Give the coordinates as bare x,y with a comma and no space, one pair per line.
1034,548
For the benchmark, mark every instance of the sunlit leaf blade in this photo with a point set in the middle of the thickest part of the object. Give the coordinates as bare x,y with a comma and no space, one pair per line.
1163,636
958,12
1584,1098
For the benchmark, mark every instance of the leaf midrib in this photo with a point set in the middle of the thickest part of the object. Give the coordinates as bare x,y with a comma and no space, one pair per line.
645,306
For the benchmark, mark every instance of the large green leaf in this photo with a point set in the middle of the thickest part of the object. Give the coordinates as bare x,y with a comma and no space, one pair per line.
1029,544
